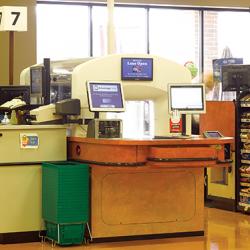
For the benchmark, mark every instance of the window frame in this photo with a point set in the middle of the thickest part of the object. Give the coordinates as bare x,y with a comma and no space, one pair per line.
147,8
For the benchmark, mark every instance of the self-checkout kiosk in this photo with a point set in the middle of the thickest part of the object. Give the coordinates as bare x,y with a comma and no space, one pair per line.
167,172
125,169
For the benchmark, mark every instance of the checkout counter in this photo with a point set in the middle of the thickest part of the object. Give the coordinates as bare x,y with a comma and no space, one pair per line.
147,187
139,187
23,148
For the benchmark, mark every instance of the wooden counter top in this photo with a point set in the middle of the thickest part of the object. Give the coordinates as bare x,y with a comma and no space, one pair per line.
203,151
194,140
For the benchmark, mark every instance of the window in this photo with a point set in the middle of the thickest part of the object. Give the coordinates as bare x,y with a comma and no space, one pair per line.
99,21
225,29
62,31
174,34
130,30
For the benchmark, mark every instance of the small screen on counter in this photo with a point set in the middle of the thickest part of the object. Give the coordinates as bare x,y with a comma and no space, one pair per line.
212,134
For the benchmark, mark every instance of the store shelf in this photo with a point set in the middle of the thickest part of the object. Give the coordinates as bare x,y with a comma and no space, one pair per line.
242,138
245,184
245,194
245,161
244,175
245,140
245,120
245,151
246,206
245,104
245,130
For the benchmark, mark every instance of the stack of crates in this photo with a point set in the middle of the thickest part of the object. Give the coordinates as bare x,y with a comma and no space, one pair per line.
65,201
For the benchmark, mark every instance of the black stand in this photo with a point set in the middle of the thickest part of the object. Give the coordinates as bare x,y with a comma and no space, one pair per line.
46,88
183,124
96,115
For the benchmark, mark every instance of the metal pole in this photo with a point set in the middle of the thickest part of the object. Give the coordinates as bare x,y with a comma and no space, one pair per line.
11,57
111,28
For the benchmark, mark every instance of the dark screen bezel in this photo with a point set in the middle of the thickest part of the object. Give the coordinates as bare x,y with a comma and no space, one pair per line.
42,87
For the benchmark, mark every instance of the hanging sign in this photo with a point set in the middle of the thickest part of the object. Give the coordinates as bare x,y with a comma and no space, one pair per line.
13,18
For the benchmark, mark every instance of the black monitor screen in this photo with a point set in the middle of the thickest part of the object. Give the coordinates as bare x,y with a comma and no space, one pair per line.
36,80
218,63
137,69
235,76
105,96
187,98
8,93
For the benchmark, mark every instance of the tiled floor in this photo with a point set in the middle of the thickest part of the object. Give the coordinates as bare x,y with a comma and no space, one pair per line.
224,231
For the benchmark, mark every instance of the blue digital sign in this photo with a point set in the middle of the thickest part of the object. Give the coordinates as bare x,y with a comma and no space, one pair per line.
137,69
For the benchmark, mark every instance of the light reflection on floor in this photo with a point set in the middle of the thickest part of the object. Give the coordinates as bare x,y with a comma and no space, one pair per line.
223,231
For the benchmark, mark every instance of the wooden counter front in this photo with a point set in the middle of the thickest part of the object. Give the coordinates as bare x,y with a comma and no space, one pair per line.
136,201
147,187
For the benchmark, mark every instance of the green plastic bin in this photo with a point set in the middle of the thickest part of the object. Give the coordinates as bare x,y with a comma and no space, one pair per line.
65,192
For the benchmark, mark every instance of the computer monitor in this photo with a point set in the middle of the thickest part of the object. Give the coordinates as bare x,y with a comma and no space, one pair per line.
8,93
105,96
218,63
235,77
37,81
187,98
137,69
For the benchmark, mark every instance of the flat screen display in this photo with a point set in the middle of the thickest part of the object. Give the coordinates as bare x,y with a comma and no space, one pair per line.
8,93
235,77
137,69
36,80
105,96
187,98
212,134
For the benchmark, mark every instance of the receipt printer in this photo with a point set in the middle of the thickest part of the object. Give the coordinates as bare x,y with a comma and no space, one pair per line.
104,128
